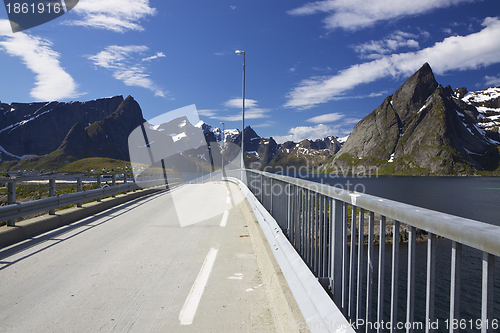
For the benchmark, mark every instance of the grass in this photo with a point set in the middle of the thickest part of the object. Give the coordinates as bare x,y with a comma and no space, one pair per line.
97,164
65,163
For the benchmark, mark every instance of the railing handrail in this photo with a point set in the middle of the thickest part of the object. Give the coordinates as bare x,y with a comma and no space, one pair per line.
476,234
31,207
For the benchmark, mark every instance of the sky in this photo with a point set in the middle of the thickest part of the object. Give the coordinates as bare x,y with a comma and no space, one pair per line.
313,68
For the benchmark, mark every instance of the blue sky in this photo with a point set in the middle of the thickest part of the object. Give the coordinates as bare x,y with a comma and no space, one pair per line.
312,68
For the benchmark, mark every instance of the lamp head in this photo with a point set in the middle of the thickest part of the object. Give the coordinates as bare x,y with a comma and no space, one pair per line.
239,52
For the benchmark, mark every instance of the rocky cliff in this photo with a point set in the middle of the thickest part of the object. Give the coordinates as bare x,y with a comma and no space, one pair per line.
37,129
107,137
423,128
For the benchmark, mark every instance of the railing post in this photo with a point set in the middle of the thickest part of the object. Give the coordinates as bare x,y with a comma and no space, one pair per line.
336,212
345,286
487,305
289,211
271,205
456,269
99,185
381,273
410,295
395,276
369,270
52,193
431,281
352,258
11,199
79,188
113,182
125,180
361,242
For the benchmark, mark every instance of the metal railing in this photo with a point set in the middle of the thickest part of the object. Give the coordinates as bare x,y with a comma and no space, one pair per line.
15,209
326,225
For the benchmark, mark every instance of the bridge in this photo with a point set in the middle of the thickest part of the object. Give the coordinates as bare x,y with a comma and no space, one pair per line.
271,253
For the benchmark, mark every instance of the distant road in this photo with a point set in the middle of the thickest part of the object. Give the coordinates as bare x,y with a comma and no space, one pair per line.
136,269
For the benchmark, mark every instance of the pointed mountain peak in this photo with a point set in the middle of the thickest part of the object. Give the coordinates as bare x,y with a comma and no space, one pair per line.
413,94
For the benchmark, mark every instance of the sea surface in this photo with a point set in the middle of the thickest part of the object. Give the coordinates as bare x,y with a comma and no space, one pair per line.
476,198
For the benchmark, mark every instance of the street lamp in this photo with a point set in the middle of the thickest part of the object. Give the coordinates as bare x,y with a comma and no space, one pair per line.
222,150
242,117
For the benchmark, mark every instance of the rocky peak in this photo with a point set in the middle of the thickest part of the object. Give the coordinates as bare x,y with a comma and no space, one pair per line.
410,97
107,137
423,126
25,126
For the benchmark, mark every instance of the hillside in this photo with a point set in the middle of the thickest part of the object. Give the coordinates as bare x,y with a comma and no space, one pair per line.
423,128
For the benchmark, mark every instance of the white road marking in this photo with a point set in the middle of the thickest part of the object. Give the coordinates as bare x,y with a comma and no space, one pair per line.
223,222
188,311
228,200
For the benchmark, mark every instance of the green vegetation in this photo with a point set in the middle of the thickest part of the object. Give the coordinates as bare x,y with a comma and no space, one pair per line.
97,165
63,163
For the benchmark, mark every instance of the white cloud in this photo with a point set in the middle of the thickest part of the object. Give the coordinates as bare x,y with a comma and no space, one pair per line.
252,110
156,56
207,113
358,14
319,131
114,15
119,59
52,81
255,113
325,118
453,53
238,103
266,124
492,80
375,49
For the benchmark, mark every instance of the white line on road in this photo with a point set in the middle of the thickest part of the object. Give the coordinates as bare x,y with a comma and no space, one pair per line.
228,200
224,219
188,311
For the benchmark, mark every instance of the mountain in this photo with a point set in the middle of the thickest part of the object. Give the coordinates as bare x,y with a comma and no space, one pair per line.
37,129
306,153
107,137
423,128
50,135
487,103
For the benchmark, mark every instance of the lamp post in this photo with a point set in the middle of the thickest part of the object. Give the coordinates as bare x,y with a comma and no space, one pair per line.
242,117
222,150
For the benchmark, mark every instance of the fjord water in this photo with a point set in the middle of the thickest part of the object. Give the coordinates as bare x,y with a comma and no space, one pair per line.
476,198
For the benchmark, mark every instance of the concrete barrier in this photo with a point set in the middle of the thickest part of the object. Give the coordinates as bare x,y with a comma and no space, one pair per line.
33,227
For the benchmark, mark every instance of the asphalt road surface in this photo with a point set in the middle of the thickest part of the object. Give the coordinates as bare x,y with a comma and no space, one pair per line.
171,262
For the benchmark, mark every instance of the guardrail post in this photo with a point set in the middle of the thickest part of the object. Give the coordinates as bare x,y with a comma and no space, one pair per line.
369,270
381,272
456,269
52,193
431,281
487,305
410,292
79,188
125,181
11,199
336,212
114,182
395,276
99,185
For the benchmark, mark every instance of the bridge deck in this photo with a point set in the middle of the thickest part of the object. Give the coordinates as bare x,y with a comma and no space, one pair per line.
172,262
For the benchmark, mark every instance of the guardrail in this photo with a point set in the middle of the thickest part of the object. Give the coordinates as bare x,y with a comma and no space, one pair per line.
326,224
14,209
